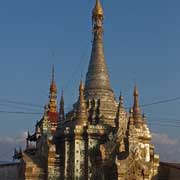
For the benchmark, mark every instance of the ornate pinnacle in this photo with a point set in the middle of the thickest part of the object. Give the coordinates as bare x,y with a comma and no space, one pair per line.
131,119
121,101
98,10
81,88
136,107
53,88
97,18
53,72
52,94
136,93
81,95
61,110
81,107
120,109
144,118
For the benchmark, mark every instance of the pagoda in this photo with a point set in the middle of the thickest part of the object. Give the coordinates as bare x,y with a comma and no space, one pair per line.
98,138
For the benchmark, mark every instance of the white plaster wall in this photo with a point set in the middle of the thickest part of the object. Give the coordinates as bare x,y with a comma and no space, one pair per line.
79,157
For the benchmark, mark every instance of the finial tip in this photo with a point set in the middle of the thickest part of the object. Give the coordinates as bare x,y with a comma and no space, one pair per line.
136,93
98,9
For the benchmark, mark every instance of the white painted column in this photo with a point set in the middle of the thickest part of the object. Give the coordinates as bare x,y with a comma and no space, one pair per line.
79,158
67,157
92,143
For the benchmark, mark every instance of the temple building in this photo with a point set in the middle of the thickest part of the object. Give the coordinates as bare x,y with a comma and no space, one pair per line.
98,139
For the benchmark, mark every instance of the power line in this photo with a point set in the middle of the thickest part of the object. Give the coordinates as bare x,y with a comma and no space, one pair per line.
161,102
17,107
164,120
165,124
74,73
21,103
20,112
36,105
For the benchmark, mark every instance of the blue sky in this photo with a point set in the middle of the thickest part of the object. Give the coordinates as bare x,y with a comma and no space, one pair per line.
141,45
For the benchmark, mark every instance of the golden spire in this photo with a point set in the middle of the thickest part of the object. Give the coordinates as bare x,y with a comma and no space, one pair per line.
136,93
97,77
97,84
136,107
131,119
81,88
53,88
61,109
62,99
98,10
81,95
81,106
52,94
121,110
121,101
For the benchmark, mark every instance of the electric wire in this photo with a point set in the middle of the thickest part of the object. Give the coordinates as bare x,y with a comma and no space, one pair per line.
20,103
158,121
164,124
20,112
18,107
35,105
161,102
74,73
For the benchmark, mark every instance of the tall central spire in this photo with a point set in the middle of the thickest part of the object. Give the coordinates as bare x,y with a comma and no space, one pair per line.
97,86
97,78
